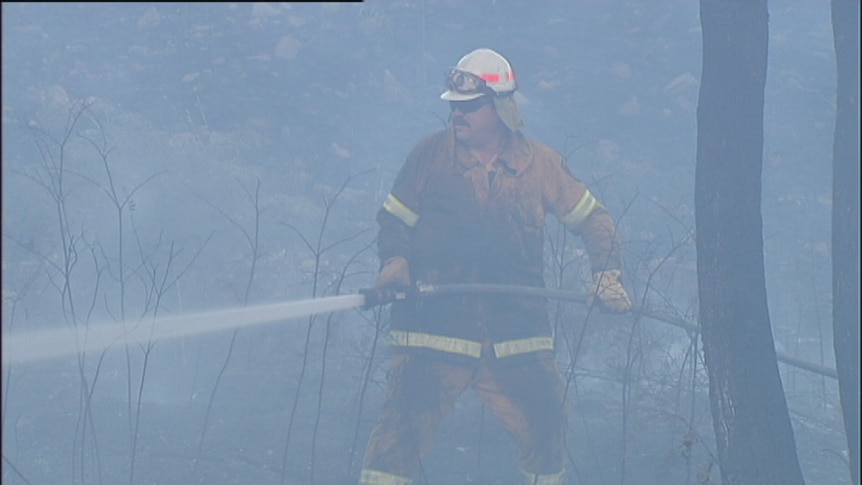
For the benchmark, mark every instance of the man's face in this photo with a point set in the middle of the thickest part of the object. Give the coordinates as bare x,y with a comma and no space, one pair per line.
475,121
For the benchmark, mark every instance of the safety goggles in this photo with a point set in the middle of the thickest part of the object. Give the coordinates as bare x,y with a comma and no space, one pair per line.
463,82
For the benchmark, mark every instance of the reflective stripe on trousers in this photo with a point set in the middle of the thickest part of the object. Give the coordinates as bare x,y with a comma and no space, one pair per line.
374,477
528,478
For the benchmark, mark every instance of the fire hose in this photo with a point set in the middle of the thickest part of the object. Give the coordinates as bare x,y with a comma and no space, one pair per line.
374,296
36,345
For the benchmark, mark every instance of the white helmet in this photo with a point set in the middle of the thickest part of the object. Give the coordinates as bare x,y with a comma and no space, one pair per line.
480,72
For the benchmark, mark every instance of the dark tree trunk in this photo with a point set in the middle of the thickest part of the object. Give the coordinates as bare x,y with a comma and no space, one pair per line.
845,221
752,425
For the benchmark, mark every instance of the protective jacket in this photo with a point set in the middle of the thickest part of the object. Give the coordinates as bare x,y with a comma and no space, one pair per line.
457,220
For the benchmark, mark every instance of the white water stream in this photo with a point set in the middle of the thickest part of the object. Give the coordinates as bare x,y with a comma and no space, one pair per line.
37,345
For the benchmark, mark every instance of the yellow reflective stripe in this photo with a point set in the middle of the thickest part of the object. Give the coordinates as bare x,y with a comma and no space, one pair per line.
374,477
534,479
399,210
581,211
437,342
523,346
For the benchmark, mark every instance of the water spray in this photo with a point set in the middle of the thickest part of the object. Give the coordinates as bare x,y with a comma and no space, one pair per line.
67,341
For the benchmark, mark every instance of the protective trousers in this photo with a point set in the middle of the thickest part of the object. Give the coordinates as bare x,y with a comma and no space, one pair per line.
526,396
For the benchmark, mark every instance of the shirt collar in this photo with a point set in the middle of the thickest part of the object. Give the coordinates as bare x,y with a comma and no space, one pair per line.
514,159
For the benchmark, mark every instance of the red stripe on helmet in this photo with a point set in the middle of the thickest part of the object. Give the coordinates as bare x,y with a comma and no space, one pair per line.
495,78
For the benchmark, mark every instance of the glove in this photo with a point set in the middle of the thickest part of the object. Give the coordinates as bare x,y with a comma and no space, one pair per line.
395,272
607,289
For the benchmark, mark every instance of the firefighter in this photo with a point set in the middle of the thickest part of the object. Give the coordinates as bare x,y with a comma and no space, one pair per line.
469,206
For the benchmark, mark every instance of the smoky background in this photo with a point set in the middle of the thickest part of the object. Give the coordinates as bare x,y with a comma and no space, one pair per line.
161,159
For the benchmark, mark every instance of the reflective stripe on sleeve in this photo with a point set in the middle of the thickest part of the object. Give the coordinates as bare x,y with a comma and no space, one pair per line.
437,342
374,477
523,346
581,211
399,210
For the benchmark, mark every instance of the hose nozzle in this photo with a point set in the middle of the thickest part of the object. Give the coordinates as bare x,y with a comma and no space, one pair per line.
383,296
